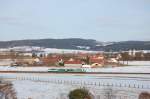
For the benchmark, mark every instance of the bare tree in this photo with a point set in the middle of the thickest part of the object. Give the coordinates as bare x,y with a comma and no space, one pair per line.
144,95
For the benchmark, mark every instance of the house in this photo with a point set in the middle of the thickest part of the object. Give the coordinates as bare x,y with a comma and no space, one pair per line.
86,66
24,61
73,62
52,60
97,60
112,60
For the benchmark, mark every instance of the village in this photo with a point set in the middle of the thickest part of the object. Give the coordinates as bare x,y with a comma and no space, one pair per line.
38,56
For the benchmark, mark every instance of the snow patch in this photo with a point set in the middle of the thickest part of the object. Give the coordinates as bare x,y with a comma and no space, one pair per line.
40,90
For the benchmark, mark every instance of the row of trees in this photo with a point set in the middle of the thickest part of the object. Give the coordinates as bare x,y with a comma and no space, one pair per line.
138,56
85,94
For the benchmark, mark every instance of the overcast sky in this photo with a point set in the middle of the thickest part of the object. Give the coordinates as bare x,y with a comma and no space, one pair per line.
103,20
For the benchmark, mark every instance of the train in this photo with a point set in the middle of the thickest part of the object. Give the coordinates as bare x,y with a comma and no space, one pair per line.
64,70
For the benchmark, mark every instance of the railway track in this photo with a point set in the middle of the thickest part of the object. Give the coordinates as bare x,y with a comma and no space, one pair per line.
74,72
97,75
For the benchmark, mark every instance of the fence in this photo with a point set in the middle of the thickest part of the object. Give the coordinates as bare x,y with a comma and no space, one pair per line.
98,82
104,86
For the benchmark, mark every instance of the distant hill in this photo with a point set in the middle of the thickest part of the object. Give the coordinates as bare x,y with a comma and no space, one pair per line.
125,46
77,43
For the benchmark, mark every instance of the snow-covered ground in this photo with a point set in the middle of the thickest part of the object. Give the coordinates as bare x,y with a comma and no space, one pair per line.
40,90
136,63
124,69
28,86
5,62
9,68
50,50
55,50
27,89
54,86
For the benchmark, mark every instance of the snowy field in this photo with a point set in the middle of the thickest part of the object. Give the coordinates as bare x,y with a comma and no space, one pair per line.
55,50
125,69
9,68
136,63
57,86
5,62
27,89
40,90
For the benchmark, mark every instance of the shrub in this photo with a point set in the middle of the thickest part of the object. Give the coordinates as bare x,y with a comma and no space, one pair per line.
144,95
80,94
